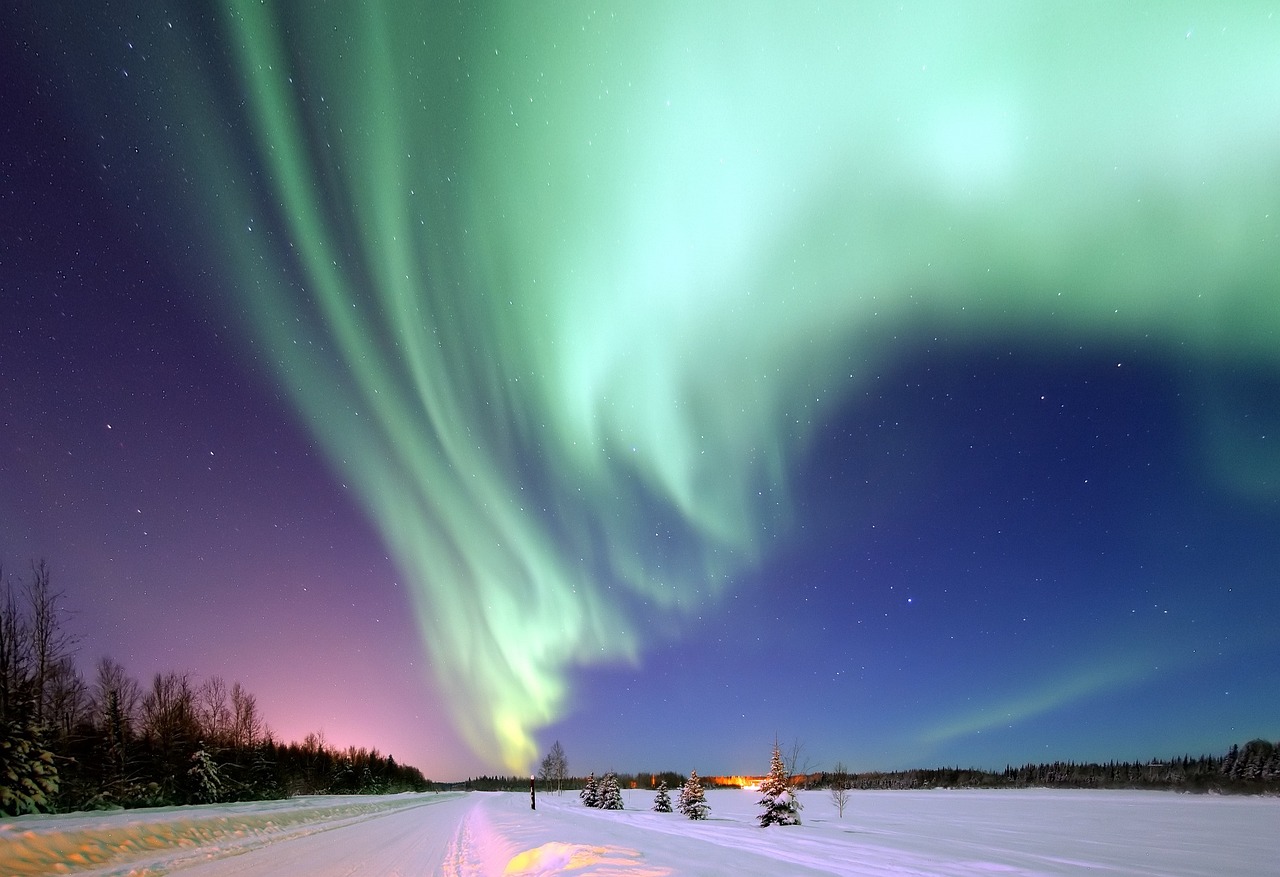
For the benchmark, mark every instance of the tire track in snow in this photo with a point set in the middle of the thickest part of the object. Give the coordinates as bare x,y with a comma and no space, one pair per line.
460,858
477,848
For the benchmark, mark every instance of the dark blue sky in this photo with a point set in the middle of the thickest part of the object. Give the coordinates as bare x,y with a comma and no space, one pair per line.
1052,567
992,465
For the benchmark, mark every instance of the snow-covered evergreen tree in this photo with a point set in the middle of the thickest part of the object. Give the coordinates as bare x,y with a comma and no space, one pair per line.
781,807
28,777
662,801
1229,764
693,801
610,794
208,779
590,793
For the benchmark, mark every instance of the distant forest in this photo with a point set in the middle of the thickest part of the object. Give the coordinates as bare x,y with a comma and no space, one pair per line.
1250,769
67,743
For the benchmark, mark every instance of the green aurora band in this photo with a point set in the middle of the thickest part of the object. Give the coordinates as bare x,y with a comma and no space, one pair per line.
563,290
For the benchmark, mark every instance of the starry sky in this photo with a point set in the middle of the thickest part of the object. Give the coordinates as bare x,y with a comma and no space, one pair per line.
899,379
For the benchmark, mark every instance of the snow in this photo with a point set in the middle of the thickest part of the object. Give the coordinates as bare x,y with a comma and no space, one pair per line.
477,834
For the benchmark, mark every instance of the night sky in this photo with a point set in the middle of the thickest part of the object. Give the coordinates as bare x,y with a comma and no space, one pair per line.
899,379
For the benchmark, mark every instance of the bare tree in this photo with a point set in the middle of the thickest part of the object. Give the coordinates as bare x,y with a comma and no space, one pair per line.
213,712
33,643
14,652
839,788
50,643
555,767
67,699
168,714
561,764
315,742
798,763
247,728
117,701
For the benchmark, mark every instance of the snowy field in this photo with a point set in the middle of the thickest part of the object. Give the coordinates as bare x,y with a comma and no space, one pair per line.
477,833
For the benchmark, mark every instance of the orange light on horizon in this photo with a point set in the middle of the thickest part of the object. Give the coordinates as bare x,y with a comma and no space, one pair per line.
741,782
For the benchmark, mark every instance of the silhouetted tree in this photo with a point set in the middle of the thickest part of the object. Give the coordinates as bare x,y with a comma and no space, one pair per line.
247,728
50,643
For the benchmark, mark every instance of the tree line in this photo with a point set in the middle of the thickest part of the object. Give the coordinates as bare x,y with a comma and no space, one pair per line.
501,783
70,743
1250,769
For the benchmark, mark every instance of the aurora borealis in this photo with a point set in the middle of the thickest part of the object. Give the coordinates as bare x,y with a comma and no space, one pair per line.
912,344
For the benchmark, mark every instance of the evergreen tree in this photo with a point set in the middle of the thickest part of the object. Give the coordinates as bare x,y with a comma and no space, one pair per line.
692,801
1254,758
662,802
1230,763
28,777
263,782
610,794
208,778
781,807
590,793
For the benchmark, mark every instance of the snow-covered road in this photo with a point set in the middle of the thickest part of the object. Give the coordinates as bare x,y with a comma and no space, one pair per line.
1035,832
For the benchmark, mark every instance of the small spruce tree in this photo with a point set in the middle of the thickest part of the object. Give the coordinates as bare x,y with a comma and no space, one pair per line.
610,794
781,807
590,793
207,776
693,801
662,801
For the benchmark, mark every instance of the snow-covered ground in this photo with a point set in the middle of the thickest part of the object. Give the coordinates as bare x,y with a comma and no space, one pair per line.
881,833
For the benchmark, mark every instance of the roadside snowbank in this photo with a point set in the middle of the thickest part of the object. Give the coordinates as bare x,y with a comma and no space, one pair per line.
162,839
